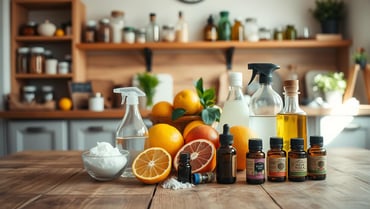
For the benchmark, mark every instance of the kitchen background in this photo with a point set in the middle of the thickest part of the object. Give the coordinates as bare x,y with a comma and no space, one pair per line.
269,13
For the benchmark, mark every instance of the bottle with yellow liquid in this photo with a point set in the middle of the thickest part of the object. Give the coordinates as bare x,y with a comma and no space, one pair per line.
292,120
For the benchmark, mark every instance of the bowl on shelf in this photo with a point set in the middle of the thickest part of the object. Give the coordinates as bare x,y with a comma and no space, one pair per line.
105,168
179,123
46,28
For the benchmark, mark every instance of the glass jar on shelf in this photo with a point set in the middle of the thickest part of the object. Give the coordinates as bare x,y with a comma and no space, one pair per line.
140,35
168,33
29,93
104,31
90,31
47,93
129,35
264,34
23,56
117,24
278,34
37,60
251,30
290,32
28,29
224,27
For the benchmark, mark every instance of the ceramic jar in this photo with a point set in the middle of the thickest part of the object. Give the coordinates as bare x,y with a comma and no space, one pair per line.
46,28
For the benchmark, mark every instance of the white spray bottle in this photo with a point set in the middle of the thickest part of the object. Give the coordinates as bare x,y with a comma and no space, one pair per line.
132,132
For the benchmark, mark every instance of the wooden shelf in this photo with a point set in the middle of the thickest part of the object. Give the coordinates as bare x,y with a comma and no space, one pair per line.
43,38
215,45
43,76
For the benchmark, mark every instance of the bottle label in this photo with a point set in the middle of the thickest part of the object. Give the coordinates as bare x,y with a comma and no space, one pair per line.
233,166
298,167
276,166
256,168
317,164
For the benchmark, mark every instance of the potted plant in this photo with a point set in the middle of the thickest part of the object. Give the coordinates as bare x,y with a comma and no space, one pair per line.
332,85
360,57
329,13
148,83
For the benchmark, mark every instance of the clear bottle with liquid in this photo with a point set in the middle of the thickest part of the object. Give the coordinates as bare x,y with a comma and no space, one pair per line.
182,29
153,29
292,120
132,132
235,101
265,103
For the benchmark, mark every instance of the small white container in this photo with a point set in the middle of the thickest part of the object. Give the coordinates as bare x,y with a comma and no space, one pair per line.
51,66
47,92
96,102
129,35
63,68
29,94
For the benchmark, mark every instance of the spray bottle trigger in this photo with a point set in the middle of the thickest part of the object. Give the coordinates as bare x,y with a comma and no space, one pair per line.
253,76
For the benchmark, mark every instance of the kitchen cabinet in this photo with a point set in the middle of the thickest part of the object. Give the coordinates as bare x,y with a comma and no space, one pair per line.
84,134
57,12
37,135
345,131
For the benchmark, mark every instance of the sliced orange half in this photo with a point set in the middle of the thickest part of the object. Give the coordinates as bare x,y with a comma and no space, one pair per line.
153,165
202,155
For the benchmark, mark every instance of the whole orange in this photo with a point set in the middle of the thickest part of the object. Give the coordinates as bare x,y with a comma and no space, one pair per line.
65,103
162,109
190,126
203,132
241,136
165,136
187,100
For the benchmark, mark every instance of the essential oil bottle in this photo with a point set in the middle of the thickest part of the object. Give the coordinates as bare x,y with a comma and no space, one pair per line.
255,162
276,161
226,158
316,159
203,178
297,160
184,169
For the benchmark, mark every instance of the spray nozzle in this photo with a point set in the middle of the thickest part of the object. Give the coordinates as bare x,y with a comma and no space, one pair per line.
265,71
132,94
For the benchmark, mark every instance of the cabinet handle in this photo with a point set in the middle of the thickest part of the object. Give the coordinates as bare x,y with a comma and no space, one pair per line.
35,129
95,129
352,127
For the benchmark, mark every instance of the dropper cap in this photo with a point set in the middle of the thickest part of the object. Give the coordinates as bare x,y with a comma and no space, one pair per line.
226,138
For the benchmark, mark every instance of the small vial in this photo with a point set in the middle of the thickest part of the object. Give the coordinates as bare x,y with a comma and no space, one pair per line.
316,159
255,162
276,161
297,160
226,158
184,169
203,178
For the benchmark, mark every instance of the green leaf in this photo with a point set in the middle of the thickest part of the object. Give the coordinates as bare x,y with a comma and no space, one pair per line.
177,113
210,115
199,87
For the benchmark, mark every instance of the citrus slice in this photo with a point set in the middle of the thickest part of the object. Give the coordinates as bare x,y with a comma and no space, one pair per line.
202,155
153,165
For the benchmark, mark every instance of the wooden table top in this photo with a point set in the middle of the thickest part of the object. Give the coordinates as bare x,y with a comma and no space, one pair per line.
56,179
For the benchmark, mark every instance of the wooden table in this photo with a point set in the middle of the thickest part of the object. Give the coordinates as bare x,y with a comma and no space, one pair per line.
56,179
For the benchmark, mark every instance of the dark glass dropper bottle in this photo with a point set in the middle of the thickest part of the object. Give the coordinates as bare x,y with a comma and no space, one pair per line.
226,158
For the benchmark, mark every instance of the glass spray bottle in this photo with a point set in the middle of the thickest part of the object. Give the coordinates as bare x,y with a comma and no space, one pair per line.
132,132
265,103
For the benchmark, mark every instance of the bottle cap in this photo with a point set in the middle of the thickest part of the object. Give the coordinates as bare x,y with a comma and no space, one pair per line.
296,143
319,140
197,178
210,19
226,138
117,13
224,13
184,157
255,144
236,79
276,142
291,86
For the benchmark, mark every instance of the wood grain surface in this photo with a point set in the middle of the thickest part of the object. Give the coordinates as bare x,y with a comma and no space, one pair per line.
56,179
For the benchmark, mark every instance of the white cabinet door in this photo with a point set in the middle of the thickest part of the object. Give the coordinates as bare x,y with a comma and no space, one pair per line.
345,131
86,133
37,135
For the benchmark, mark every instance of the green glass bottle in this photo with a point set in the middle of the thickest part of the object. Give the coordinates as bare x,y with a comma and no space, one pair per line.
224,27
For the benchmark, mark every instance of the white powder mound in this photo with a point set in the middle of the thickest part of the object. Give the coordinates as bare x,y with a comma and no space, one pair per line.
172,183
107,166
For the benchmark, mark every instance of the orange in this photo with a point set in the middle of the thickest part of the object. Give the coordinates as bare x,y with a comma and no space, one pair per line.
190,126
203,132
153,165
59,32
165,136
162,109
241,136
187,100
65,103
202,155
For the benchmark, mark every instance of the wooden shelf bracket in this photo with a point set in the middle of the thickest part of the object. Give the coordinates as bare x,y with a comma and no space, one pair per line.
229,53
148,53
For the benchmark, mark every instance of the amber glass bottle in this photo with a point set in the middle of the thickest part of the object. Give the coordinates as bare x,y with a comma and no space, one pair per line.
276,161
297,160
316,159
210,31
226,158
255,173
237,32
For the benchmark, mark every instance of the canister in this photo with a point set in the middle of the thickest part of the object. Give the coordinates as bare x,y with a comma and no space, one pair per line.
37,60
63,67
129,35
47,93
23,59
96,102
29,93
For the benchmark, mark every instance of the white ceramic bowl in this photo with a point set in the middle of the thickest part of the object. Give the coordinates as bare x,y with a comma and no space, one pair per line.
46,28
105,168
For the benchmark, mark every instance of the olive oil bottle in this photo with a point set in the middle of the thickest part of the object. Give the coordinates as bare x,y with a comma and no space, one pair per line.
292,120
